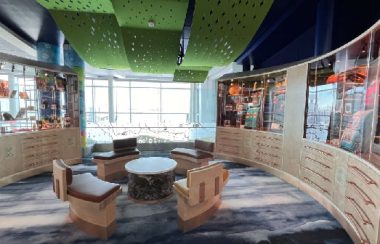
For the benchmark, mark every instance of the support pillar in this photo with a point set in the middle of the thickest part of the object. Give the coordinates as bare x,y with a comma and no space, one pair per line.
73,61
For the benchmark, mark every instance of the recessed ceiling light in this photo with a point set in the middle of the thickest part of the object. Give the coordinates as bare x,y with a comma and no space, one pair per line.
151,23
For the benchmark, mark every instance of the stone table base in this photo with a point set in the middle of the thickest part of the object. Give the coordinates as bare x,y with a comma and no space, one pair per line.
150,187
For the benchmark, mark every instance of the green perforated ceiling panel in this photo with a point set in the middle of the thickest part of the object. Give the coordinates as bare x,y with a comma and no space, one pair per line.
221,30
164,14
191,74
97,38
92,6
151,51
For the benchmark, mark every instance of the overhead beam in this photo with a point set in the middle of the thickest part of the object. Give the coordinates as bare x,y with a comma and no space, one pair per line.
15,40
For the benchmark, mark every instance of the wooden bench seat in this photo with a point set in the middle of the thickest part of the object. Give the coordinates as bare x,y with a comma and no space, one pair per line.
193,158
110,165
92,201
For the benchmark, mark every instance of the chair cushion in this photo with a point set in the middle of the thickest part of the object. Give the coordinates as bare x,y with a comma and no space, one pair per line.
191,153
69,172
89,188
124,144
113,154
204,145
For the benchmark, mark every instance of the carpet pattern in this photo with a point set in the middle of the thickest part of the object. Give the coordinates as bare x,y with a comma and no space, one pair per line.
256,208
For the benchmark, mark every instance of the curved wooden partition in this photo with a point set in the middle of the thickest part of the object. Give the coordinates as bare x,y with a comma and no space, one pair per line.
27,154
347,185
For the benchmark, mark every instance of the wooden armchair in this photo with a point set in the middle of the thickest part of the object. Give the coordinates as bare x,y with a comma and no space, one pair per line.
198,195
92,201
193,158
110,165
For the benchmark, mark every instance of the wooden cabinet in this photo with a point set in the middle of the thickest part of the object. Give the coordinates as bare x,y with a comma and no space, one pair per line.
263,147
362,199
26,154
229,141
318,167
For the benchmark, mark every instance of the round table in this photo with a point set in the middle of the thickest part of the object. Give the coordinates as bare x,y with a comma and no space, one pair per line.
150,178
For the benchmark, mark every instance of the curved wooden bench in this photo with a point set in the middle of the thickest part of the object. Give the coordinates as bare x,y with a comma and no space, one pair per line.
92,201
198,195
110,165
193,158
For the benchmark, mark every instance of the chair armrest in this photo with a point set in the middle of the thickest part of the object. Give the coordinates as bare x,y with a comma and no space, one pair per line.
226,176
181,188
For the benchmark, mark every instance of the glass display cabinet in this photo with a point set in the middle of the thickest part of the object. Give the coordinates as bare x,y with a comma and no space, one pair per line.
255,102
342,98
34,98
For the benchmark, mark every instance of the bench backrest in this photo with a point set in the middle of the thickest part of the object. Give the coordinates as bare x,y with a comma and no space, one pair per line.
62,176
204,183
120,145
204,146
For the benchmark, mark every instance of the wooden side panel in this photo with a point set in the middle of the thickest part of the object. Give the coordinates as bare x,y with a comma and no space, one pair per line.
294,118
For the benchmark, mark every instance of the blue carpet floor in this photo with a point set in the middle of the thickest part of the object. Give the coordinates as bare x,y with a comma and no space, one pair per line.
256,208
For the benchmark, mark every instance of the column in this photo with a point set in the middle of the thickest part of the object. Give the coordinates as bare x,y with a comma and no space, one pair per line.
72,60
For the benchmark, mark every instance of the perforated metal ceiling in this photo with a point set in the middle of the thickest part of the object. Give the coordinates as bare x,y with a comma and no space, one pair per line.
191,74
91,6
145,35
96,37
222,29
151,49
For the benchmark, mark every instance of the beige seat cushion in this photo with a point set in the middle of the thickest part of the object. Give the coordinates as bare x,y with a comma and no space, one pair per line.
88,187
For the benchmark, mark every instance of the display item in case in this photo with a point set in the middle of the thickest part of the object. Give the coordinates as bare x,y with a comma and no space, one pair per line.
255,102
342,90
13,94
23,95
7,116
4,88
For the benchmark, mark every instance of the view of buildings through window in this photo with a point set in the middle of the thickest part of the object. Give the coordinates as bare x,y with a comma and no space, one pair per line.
152,111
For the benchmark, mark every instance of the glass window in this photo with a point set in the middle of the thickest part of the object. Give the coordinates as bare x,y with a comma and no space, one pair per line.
175,85
145,84
174,119
145,100
101,99
122,83
145,119
121,101
100,83
175,101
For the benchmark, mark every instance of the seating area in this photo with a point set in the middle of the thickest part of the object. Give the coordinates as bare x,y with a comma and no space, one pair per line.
92,201
110,165
198,195
192,158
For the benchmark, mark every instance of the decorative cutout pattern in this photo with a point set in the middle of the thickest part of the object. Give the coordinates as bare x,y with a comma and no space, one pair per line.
165,14
91,6
96,37
151,51
191,74
221,30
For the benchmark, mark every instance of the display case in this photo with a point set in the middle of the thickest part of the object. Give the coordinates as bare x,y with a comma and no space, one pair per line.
253,102
36,98
342,98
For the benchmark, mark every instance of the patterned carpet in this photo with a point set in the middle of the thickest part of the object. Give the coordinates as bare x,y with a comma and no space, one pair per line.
256,208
